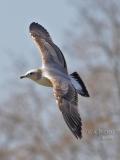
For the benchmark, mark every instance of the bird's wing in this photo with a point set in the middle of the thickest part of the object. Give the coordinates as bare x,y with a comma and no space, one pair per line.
50,52
67,100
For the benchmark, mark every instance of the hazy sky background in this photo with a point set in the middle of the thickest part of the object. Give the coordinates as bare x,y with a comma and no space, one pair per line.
16,16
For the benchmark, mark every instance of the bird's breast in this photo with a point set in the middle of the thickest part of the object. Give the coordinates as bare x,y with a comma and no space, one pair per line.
45,82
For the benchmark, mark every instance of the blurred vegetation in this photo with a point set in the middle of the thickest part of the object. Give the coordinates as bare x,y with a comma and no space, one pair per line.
33,129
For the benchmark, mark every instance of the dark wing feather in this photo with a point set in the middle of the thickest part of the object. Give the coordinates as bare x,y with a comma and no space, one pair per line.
60,55
45,43
82,90
68,106
38,30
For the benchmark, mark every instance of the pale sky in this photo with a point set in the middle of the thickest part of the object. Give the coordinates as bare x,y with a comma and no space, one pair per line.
16,16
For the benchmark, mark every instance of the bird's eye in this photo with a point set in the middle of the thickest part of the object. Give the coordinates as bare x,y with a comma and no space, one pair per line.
31,73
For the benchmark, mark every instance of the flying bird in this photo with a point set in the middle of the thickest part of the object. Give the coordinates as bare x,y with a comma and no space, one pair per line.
54,73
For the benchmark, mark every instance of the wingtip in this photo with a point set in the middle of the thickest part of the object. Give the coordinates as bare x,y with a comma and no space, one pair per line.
36,26
74,123
78,135
79,132
38,30
33,25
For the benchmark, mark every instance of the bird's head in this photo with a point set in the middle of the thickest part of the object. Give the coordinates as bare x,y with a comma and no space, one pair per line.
33,74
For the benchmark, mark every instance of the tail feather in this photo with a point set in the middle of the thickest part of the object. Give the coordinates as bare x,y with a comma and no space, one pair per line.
79,84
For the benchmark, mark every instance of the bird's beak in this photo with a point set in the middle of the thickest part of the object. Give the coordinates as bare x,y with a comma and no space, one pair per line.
24,76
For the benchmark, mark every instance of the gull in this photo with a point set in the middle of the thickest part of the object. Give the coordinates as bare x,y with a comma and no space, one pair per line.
54,73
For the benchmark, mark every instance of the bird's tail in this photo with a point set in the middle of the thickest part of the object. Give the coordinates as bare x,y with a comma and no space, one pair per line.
79,84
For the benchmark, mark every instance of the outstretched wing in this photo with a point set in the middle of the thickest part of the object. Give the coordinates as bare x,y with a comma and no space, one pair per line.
67,102
50,52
